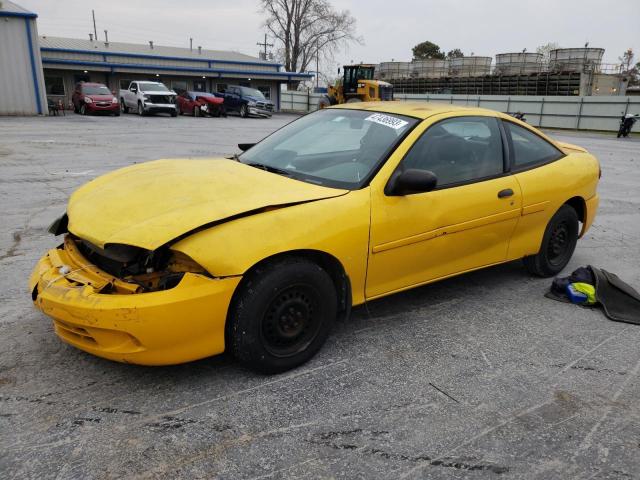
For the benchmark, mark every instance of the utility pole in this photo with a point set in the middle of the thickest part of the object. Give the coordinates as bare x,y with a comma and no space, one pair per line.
317,62
95,32
265,45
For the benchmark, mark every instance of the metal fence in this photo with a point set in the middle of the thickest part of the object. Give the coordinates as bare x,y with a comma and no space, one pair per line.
575,113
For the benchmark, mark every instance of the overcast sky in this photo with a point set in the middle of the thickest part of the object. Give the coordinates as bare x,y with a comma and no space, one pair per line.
389,28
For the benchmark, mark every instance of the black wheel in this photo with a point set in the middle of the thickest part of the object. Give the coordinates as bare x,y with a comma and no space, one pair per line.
244,111
83,110
174,113
140,109
558,244
123,106
281,315
117,114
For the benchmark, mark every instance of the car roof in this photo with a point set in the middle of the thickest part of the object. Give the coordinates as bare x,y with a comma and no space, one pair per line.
415,109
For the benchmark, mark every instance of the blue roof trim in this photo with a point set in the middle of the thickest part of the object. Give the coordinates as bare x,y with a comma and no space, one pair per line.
18,14
34,76
157,57
220,71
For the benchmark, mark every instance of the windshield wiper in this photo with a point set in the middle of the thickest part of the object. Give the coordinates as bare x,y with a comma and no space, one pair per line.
235,157
269,168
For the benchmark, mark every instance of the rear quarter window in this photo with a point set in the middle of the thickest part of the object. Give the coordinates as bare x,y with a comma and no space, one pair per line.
529,149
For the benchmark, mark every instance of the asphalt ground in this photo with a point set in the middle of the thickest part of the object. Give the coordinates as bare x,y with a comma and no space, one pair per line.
478,376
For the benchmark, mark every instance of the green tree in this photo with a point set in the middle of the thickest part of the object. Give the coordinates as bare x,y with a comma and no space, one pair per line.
455,53
426,50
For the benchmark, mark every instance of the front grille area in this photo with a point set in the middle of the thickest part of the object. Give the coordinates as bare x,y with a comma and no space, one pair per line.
265,106
160,99
74,333
103,104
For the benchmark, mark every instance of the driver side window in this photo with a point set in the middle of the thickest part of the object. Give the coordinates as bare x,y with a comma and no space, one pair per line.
459,150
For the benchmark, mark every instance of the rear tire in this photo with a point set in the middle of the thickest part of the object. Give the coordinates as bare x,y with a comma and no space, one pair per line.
558,244
281,315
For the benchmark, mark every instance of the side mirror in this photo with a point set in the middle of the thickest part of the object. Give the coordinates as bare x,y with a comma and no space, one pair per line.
245,146
411,181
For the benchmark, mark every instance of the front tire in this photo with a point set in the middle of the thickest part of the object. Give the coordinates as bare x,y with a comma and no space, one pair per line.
83,109
140,109
281,315
558,244
244,111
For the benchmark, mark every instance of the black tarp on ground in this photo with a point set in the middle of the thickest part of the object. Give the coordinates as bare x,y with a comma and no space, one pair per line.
619,300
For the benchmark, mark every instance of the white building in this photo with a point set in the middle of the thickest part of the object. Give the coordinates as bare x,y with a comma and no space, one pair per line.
22,90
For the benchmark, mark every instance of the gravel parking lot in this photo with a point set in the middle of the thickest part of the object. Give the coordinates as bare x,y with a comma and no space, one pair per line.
477,376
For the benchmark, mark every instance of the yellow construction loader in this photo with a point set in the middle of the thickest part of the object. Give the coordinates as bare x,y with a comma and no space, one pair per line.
357,85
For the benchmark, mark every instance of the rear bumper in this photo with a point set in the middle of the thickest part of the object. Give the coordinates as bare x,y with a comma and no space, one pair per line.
166,327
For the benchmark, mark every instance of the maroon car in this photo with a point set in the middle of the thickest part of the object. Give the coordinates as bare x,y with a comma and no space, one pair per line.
90,98
201,104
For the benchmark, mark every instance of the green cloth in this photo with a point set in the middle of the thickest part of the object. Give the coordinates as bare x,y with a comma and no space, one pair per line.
588,289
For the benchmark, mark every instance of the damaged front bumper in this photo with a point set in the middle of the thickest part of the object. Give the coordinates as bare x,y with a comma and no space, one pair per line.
176,325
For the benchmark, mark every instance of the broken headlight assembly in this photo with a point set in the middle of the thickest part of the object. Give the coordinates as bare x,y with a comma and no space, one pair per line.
151,271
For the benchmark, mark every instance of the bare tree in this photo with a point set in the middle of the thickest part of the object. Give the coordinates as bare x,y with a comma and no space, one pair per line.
545,50
305,29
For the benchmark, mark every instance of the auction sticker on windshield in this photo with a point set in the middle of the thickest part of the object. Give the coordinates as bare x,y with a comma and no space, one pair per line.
387,121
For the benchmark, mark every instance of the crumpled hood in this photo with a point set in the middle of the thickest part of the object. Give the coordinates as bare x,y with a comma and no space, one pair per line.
150,204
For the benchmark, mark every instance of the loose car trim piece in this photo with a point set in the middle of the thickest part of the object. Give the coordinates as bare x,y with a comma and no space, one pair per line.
258,254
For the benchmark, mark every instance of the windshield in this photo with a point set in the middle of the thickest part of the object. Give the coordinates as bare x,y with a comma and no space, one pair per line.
252,92
95,90
333,147
153,87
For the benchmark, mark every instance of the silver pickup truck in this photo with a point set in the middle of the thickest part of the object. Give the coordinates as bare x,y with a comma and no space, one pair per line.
148,97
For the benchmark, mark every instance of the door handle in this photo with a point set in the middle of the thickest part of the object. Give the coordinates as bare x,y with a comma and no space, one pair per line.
507,192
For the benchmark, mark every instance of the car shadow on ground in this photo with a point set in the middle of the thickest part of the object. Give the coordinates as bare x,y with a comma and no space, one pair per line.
382,315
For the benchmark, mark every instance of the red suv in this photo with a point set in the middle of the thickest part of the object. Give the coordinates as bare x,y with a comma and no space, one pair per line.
94,97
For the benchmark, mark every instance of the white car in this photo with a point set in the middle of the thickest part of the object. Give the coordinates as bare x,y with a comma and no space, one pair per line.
148,97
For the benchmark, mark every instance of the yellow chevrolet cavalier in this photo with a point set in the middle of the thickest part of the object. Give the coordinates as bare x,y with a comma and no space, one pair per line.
175,260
